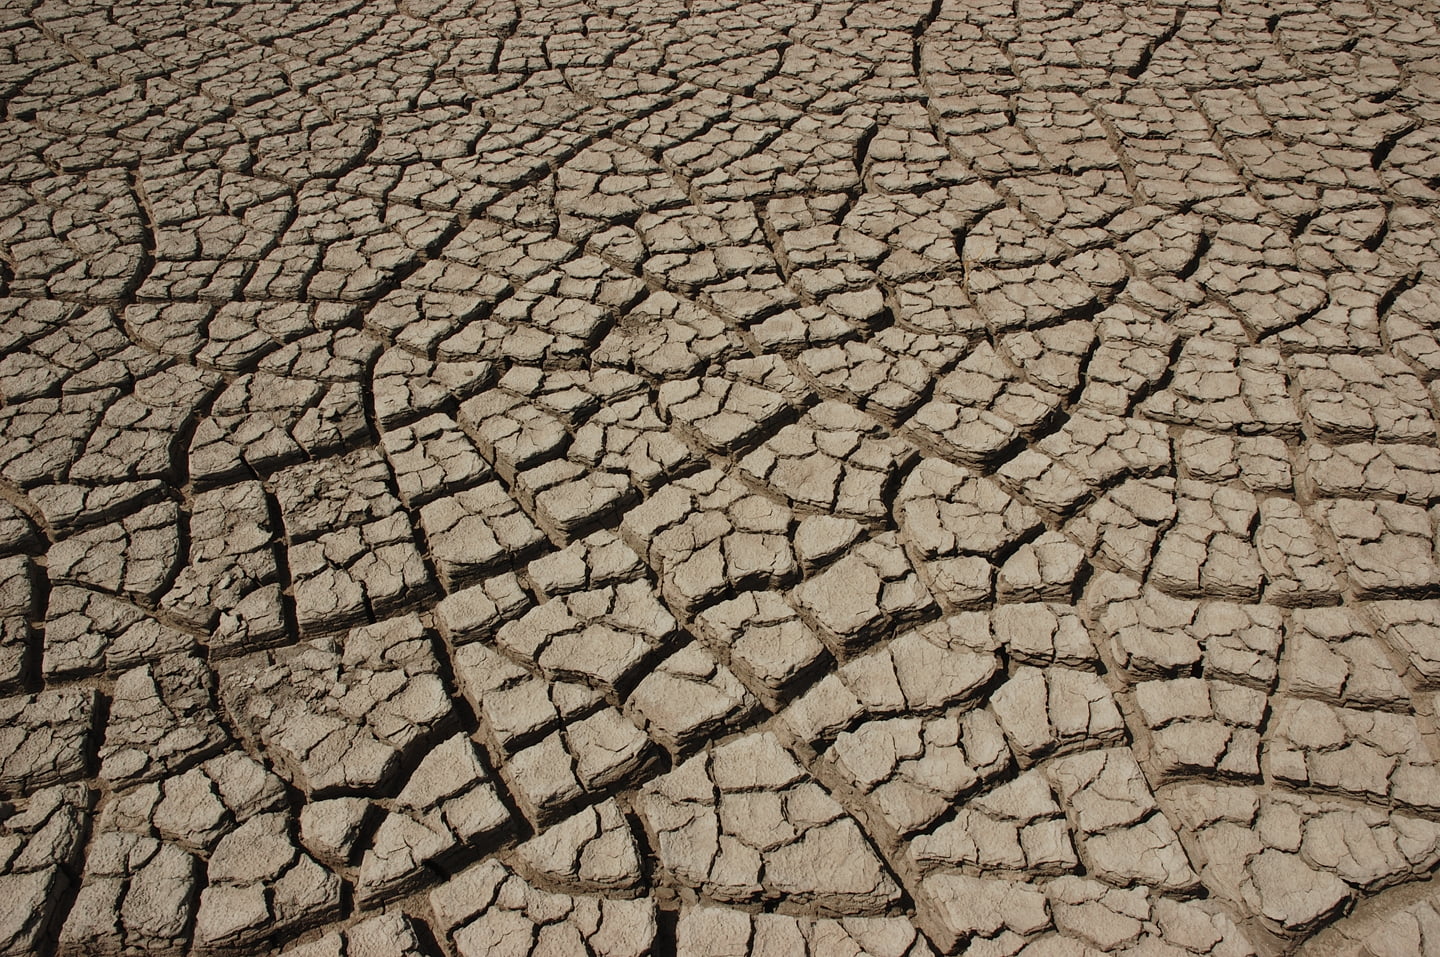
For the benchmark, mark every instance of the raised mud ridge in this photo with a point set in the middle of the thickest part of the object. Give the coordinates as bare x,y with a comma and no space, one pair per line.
707,479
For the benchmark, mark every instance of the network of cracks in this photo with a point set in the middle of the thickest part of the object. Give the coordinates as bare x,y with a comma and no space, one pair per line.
719,477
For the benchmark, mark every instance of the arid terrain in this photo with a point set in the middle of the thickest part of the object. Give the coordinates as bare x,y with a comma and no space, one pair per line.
709,479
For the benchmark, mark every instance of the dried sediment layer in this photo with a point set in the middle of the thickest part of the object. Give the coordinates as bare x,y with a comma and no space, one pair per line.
715,479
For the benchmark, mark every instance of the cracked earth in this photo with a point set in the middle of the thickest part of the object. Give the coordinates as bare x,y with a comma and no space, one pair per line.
719,477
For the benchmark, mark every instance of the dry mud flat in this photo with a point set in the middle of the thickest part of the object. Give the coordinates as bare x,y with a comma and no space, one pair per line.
719,478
